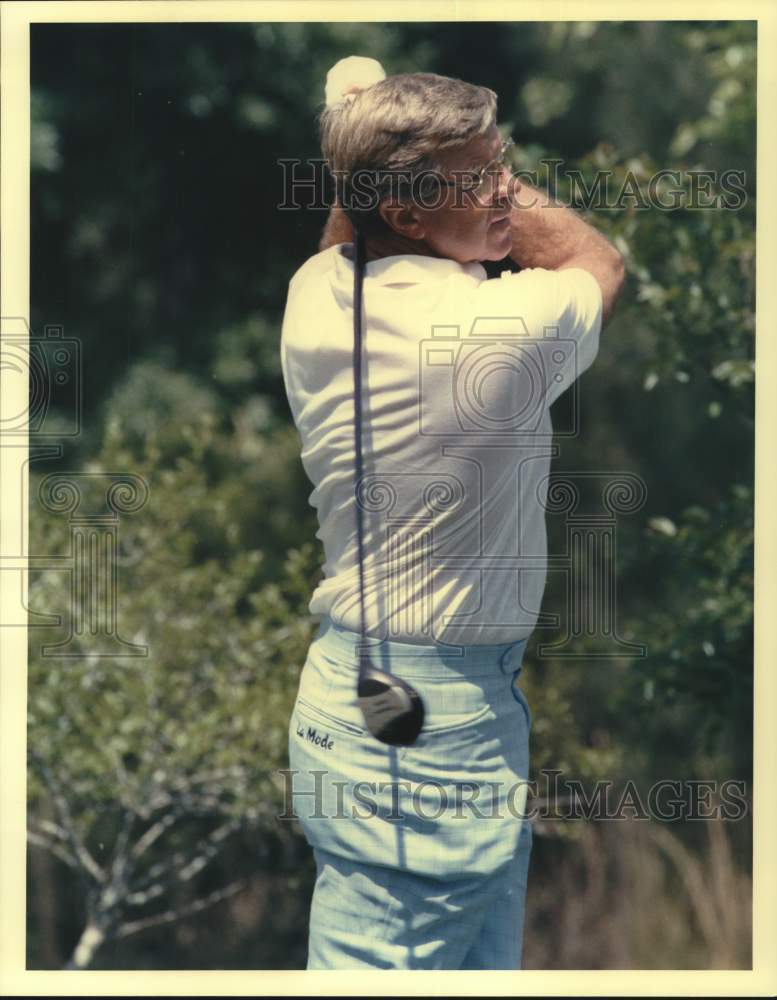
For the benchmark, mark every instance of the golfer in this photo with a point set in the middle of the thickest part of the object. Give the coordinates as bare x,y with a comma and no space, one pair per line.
422,849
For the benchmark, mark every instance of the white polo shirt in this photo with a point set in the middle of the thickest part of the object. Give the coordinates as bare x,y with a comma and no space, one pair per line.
459,372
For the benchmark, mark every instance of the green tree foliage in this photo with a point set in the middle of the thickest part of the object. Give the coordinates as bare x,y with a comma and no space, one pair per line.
151,763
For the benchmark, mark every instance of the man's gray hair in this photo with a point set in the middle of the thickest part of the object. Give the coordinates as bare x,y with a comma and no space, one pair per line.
387,137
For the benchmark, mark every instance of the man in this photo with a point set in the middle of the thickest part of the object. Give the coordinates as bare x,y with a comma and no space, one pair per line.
422,851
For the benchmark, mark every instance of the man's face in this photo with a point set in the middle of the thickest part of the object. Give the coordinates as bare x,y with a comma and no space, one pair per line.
464,227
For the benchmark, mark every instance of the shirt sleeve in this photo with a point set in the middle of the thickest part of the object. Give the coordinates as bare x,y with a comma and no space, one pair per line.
557,315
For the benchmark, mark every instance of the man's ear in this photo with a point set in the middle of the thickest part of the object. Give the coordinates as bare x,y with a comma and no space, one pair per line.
402,219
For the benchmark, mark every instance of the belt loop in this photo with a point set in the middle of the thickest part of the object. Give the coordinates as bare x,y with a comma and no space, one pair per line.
509,658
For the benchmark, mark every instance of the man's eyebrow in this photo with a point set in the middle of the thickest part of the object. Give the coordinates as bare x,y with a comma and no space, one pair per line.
483,161
496,150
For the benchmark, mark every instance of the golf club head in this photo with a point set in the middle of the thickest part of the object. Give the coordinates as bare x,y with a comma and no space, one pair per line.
392,709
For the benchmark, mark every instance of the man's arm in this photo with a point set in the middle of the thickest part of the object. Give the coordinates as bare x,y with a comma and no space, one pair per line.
338,229
547,235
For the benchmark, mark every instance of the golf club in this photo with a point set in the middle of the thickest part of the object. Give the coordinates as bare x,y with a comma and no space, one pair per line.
392,709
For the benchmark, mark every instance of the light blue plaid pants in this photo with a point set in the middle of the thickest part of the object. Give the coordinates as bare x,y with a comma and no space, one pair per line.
422,852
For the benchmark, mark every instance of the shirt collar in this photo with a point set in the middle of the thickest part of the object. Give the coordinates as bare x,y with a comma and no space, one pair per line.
403,269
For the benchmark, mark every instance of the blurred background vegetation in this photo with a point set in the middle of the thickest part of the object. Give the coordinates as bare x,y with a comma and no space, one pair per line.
155,782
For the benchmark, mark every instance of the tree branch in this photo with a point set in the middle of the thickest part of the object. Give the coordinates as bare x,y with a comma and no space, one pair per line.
120,853
140,898
52,829
152,834
169,916
81,854
186,790
52,847
183,867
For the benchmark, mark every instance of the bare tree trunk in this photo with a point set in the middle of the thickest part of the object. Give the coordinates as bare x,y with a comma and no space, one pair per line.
90,942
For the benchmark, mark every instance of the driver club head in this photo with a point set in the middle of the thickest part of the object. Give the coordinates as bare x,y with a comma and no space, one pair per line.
392,709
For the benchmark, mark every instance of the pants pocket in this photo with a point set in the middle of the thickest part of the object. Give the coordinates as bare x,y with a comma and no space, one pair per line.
316,714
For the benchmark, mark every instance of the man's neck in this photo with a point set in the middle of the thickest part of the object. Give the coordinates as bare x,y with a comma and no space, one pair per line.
392,245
